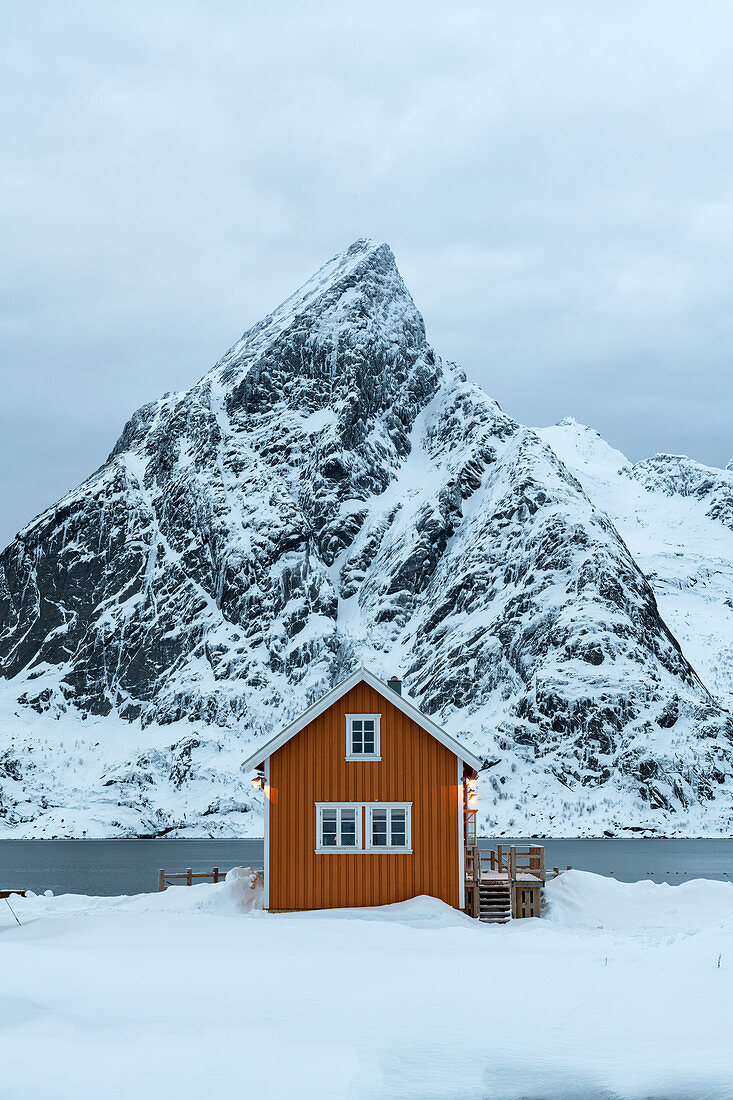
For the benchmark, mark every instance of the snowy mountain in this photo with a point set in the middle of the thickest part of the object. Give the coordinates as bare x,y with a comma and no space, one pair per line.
676,517
332,492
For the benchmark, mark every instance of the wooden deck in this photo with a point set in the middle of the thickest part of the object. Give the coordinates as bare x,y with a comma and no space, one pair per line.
505,883
503,876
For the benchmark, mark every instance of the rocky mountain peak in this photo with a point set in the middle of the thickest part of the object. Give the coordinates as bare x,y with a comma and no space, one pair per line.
328,492
344,359
337,375
358,296
678,475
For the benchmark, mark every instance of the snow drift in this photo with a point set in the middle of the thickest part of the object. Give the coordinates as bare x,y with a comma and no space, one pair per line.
623,994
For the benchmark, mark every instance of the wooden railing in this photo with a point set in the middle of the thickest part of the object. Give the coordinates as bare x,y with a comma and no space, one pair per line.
527,859
188,875
473,863
553,872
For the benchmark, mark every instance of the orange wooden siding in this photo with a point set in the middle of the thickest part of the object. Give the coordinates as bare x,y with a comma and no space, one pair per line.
312,768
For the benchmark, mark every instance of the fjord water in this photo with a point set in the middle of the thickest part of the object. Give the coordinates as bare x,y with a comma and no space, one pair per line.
635,859
109,867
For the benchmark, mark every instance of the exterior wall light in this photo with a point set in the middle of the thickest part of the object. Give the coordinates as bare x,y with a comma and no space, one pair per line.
259,782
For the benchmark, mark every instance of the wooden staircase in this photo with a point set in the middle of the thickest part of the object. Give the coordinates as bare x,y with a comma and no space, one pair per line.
495,902
502,885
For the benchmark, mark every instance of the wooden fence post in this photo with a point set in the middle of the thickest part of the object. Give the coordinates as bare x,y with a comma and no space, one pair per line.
189,877
216,874
161,880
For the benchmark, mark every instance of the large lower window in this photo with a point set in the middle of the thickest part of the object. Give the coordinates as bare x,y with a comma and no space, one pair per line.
388,826
338,827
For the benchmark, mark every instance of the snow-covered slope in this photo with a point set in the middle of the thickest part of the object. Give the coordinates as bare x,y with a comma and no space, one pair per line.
676,517
333,492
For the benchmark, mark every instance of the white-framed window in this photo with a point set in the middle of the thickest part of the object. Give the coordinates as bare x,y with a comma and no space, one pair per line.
362,737
389,826
338,826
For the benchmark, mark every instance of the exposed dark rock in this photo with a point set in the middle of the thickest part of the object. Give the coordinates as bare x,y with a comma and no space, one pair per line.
330,492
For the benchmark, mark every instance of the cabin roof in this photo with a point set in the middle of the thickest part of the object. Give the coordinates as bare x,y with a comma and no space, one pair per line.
335,694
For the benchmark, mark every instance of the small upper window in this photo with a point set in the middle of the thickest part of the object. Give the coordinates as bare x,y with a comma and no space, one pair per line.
362,737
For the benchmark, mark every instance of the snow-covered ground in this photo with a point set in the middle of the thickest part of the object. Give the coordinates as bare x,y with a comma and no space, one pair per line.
624,991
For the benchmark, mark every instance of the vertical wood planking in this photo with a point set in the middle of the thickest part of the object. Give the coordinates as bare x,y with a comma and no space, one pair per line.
405,768
272,885
317,757
274,880
312,768
296,784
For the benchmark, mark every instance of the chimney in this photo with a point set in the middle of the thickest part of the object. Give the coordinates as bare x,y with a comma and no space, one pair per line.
395,684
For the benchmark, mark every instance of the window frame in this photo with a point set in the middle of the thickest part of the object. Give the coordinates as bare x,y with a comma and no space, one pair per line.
339,848
388,848
377,754
363,816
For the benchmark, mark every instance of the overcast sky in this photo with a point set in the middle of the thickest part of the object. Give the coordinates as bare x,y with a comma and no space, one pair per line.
555,179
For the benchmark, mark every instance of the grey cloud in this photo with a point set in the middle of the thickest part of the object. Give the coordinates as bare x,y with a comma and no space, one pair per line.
555,180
